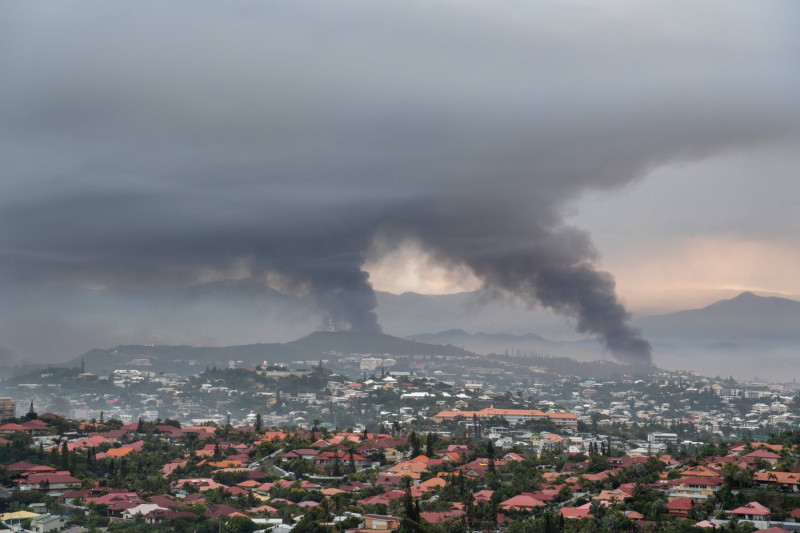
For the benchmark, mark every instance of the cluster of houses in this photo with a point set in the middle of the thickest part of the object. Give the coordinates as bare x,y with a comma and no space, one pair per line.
388,473
386,465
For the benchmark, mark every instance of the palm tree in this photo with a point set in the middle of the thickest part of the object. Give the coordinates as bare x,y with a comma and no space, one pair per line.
351,449
314,429
338,502
326,512
659,507
338,505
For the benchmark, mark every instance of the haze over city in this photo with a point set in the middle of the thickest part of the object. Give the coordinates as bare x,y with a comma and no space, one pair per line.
577,166
423,266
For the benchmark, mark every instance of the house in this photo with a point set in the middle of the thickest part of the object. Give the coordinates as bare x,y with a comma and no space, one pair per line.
78,494
680,507
483,496
698,488
46,522
578,513
216,511
382,499
302,453
141,509
411,469
699,471
789,481
764,455
564,420
235,491
751,511
169,468
11,428
741,447
16,518
158,516
164,501
521,502
35,427
613,495
443,516
20,466
382,522
626,462
202,484
54,483
117,502
600,476
330,458
546,494
355,486
426,486
479,467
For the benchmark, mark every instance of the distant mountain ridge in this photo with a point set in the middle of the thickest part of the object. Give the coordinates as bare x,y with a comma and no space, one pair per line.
318,345
745,317
238,316
757,336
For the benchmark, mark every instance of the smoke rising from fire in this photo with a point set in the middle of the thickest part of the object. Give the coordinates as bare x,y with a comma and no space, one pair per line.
159,145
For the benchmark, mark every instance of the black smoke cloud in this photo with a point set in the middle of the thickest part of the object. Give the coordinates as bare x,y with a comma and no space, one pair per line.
156,145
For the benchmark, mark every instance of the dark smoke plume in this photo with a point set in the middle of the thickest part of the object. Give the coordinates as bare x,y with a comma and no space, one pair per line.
554,270
155,145
578,291
348,300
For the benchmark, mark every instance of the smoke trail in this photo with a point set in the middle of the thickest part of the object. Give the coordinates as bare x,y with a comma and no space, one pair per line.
554,269
149,153
348,299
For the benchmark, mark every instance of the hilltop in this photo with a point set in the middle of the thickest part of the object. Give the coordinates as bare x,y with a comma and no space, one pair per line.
377,343
318,345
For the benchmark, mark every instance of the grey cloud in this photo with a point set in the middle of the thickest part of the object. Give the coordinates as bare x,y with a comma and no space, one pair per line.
144,144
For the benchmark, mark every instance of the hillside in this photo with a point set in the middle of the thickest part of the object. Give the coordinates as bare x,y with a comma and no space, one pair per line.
179,358
488,342
369,343
745,317
311,348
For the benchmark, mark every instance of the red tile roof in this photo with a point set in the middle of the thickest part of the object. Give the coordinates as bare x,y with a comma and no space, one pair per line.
752,508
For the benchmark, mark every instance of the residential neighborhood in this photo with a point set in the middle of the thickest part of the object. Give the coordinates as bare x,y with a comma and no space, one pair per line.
423,452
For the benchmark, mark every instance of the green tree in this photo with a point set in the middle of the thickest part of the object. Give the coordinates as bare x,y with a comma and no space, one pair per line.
64,456
430,445
239,524
413,442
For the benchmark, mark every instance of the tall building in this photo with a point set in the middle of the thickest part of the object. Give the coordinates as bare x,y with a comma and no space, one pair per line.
8,408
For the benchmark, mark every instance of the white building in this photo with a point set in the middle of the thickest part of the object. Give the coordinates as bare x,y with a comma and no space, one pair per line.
662,438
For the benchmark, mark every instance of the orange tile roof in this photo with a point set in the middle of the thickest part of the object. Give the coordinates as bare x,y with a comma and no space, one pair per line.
119,452
783,478
225,464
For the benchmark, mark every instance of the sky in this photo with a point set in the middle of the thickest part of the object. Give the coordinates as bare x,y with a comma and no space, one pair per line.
705,230
593,159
